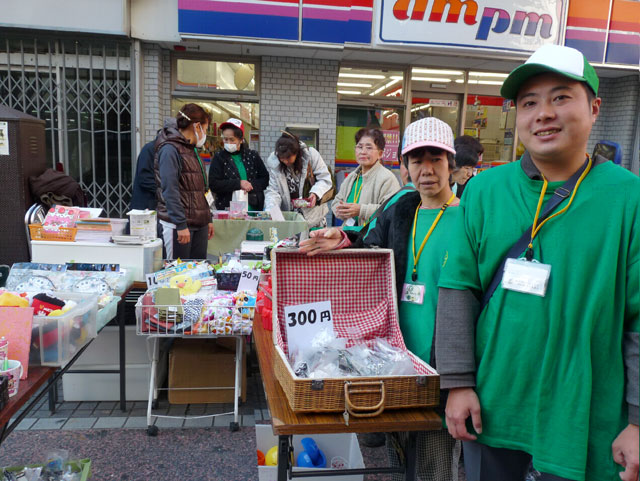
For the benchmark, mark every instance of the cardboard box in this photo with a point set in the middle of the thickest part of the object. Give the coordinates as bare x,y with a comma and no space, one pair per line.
344,445
197,363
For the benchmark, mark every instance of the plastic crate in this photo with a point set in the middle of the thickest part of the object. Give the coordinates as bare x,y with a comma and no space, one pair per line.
55,340
64,234
107,313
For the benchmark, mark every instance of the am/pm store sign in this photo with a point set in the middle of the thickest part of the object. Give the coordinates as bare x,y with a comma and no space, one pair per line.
512,25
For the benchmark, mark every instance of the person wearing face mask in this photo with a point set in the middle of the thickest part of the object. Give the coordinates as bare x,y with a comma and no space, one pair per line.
183,198
369,185
237,168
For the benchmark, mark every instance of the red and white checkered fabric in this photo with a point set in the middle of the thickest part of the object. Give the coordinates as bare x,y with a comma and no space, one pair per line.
359,284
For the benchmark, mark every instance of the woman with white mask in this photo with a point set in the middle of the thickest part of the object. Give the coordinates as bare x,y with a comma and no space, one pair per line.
237,167
181,186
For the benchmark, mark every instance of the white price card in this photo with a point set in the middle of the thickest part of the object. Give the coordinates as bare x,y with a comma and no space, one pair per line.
249,280
152,281
304,321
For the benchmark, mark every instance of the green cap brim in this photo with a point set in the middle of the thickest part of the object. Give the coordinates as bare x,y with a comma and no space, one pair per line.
521,74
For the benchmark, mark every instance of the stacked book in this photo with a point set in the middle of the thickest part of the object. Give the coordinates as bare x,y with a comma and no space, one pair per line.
93,230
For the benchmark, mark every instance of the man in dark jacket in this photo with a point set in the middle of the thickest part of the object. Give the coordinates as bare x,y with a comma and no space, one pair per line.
144,183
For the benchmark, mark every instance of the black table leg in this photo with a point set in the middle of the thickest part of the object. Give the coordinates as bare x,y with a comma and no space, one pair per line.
283,458
411,457
121,333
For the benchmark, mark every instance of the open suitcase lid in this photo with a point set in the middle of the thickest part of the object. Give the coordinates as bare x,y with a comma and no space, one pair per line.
360,283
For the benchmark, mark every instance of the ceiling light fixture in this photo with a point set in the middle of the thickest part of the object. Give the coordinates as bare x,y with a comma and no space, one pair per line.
361,75
430,79
489,74
437,72
346,84
349,92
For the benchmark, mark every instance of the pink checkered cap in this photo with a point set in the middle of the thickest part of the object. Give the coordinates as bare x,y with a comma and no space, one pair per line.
428,132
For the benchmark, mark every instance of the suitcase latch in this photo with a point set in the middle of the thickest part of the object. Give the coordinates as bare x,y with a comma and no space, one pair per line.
317,385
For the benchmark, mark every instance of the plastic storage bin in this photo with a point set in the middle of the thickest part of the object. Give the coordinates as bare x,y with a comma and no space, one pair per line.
55,340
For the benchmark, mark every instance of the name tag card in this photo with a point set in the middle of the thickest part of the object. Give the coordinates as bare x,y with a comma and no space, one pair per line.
305,321
524,276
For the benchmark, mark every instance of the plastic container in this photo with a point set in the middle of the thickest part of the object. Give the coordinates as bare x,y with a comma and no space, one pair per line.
55,340
107,313
118,226
83,467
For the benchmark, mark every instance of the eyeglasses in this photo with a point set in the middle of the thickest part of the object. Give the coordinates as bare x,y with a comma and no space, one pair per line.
366,147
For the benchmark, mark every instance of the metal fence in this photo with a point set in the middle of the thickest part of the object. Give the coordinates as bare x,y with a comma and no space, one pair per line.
82,89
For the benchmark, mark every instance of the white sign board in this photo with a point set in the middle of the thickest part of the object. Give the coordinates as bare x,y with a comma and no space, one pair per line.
304,321
512,25
249,280
4,138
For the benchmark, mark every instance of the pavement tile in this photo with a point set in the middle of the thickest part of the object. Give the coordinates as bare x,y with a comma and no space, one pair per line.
169,422
70,405
107,405
103,412
79,423
138,412
198,423
257,414
139,404
135,422
88,405
53,423
81,413
223,421
25,424
178,410
109,423
215,408
266,414
195,409
248,420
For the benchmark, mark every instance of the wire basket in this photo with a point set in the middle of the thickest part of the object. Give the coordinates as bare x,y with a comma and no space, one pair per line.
207,321
64,234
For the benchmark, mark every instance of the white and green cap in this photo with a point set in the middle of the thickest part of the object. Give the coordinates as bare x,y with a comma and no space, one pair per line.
558,59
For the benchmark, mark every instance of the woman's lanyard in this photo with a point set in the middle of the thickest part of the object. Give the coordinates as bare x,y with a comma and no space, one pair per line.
536,228
416,258
358,190
201,168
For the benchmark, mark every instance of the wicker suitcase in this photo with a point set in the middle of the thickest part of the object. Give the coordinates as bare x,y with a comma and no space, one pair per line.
360,283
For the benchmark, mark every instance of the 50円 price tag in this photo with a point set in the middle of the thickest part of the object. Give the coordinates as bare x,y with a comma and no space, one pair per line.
249,280
304,321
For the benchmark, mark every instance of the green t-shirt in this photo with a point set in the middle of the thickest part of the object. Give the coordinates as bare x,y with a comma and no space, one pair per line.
550,372
354,197
417,322
237,159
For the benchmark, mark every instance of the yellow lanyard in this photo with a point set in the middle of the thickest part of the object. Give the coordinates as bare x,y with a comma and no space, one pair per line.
536,228
416,258
356,196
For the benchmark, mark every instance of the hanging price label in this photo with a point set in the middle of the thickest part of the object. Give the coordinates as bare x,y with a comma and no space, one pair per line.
249,280
152,281
304,321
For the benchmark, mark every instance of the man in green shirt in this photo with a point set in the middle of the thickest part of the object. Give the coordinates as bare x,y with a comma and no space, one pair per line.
540,367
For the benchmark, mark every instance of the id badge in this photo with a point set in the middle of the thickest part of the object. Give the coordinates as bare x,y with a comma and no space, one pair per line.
530,277
209,196
413,293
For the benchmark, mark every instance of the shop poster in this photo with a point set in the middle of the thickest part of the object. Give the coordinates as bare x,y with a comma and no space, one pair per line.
392,141
4,138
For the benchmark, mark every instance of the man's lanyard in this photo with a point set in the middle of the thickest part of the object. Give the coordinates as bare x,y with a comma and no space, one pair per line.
358,190
201,167
416,258
536,227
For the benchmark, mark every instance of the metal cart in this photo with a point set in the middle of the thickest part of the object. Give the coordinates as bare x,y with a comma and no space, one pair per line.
173,329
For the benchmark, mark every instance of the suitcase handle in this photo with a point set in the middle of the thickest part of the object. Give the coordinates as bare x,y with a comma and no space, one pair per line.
365,387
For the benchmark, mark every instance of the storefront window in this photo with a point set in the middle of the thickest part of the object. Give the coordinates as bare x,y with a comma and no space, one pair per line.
446,110
222,110
350,120
492,121
215,75
355,81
